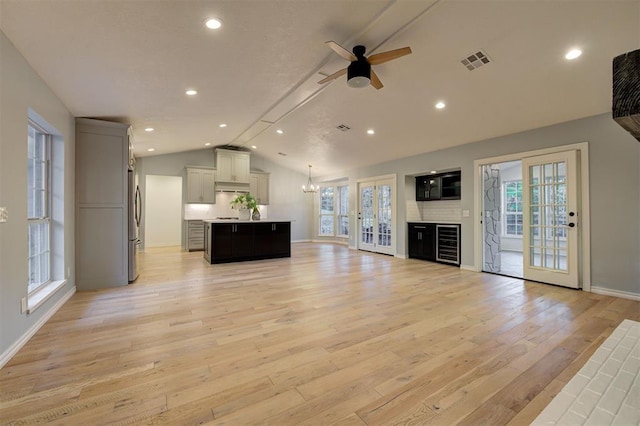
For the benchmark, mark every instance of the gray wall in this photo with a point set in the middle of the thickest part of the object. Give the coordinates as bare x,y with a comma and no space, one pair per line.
286,199
614,164
21,89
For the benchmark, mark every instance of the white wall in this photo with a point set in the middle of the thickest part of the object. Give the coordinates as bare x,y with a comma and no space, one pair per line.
286,199
614,164
163,201
21,88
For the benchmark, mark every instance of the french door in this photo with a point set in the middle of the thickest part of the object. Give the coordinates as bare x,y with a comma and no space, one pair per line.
550,218
376,211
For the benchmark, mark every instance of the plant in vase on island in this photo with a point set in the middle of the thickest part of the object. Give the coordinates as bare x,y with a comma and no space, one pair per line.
247,207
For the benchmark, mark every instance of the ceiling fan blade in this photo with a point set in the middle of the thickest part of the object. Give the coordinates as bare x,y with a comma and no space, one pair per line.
333,76
341,51
375,81
381,58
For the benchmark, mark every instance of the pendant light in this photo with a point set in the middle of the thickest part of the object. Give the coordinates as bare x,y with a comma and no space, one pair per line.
310,187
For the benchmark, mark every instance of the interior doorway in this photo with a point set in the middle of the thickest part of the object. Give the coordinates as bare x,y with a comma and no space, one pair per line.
532,215
163,211
502,220
376,215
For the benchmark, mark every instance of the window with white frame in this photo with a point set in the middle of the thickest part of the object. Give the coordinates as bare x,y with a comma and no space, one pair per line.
326,227
39,207
512,208
343,211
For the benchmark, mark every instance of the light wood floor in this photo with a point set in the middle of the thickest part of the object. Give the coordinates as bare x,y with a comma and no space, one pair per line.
330,336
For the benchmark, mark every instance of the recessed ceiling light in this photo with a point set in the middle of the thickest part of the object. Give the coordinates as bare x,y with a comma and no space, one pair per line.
440,105
371,132
151,149
254,147
279,131
221,125
212,23
573,54
149,129
433,172
191,92
207,144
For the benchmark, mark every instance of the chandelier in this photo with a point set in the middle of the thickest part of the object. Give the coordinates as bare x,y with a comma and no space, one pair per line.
310,187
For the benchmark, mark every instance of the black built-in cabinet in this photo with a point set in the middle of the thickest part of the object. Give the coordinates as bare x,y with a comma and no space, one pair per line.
434,242
443,186
422,241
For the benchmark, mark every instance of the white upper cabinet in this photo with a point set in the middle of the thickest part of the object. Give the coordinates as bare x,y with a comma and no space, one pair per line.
232,166
201,186
259,187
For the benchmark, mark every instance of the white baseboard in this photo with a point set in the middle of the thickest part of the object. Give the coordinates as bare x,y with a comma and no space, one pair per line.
401,256
300,241
18,344
615,293
468,268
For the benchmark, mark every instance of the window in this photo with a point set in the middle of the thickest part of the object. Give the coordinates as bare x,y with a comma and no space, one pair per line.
326,211
38,207
512,208
343,211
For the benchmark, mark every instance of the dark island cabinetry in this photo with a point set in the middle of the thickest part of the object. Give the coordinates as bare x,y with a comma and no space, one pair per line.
239,241
272,240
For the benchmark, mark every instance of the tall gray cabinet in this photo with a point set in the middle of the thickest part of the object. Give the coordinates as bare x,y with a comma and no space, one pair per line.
102,158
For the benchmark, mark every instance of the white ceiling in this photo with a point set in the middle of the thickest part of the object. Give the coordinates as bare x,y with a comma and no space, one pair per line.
132,60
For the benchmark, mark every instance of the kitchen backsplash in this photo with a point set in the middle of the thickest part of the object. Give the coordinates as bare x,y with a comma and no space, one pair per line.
221,208
434,211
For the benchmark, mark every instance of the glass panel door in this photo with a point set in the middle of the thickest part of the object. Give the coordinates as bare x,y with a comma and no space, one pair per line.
375,214
385,225
366,217
550,219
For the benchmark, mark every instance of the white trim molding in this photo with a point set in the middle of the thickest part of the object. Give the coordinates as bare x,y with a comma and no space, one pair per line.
615,293
18,344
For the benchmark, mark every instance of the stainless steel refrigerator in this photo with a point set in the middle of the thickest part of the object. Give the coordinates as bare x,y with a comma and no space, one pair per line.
135,213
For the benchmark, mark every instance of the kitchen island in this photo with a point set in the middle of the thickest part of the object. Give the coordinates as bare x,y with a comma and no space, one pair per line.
241,240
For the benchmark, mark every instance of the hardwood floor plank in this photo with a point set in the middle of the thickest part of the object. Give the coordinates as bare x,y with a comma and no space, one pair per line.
328,336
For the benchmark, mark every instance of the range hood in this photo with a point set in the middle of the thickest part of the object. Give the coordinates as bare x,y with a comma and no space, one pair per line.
626,92
232,187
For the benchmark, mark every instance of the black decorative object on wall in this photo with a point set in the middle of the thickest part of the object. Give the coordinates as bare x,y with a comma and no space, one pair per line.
626,92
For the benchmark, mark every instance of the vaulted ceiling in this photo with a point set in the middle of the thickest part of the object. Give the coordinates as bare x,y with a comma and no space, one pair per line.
133,60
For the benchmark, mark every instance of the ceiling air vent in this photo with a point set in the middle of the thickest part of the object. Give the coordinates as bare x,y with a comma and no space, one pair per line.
343,127
475,60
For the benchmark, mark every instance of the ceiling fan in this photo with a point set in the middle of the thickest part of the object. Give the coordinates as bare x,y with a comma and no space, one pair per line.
359,72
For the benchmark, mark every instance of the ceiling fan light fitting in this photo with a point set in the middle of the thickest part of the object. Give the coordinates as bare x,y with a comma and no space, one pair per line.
359,74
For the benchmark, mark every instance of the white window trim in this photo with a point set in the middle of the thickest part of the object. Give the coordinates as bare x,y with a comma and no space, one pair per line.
57,277
42,294
504,213
48,208
338,215
321,215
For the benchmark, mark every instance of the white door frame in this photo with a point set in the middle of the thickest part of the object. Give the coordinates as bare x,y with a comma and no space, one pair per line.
584,266
394,201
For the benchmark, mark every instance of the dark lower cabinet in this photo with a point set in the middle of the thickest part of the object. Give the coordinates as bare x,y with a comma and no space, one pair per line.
434,242
422,241
272,240
235,242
